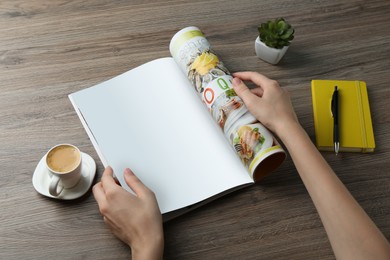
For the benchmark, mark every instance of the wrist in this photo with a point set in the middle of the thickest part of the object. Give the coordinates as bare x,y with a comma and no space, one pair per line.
287,129
153,249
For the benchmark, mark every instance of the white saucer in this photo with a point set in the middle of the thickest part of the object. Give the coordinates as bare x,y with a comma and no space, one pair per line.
41,179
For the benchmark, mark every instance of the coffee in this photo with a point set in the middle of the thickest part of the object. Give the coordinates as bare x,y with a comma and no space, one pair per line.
63,158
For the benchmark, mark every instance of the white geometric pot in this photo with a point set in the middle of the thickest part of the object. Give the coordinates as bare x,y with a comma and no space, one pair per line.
268,54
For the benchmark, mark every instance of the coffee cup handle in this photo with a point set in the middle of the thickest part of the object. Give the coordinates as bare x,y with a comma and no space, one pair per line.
54,184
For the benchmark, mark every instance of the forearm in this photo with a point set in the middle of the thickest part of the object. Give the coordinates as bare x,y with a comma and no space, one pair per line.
351,232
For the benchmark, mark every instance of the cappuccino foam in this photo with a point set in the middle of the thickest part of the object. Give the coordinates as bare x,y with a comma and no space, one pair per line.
63,158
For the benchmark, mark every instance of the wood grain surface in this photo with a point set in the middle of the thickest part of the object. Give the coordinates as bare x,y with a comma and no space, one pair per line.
49,49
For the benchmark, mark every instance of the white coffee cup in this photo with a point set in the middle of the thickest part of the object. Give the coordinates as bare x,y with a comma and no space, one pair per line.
64,164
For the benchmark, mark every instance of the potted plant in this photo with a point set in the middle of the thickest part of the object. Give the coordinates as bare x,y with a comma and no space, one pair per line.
273,40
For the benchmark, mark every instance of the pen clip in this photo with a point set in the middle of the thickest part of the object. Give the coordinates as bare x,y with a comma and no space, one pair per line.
333,102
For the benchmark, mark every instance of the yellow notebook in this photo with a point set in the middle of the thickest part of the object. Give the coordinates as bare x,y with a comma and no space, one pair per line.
355,125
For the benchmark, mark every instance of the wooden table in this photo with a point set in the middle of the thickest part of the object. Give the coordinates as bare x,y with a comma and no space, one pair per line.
49,49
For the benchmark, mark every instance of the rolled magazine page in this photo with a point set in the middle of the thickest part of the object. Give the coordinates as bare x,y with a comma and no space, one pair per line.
253,143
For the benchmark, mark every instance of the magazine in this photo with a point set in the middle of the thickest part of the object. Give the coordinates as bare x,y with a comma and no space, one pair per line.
213,82
155,119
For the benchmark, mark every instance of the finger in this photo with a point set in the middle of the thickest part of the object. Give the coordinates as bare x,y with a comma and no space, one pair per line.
99,194
257,78
134,183
108,181
244,93
257,91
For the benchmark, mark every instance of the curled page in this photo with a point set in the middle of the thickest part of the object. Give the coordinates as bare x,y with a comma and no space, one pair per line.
253,143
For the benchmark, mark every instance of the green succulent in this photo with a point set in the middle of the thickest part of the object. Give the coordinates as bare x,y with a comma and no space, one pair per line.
276,34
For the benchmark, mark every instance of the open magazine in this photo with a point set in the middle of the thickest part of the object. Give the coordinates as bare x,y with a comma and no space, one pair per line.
150,120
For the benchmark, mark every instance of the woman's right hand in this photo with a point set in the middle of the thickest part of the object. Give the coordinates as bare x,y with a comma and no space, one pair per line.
268,102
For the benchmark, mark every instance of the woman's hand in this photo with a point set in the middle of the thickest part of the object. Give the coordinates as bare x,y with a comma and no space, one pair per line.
268,102
134,219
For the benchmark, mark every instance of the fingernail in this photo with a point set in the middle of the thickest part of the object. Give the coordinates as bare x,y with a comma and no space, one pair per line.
236,81
127,171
